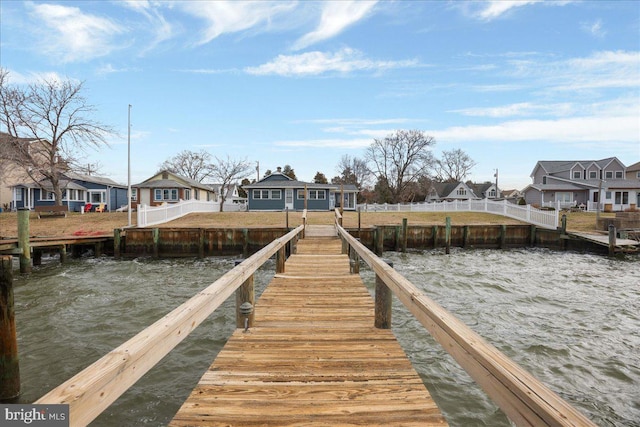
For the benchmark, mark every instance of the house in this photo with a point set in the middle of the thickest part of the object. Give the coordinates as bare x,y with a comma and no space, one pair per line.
277,192
11,171
169,187
77,191
581,183
512,195
633,172
231,193
449,191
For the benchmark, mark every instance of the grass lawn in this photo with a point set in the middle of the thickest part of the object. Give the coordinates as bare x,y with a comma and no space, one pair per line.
104,223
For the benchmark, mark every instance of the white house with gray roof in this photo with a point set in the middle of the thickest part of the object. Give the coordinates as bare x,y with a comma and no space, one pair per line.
583,183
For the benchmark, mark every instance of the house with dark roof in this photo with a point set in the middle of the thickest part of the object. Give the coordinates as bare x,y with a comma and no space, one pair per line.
77,191
277,192
583,183
169,187
449,191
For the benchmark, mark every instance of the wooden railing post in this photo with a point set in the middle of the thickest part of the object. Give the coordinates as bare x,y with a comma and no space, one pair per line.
9,362
383,303
245,293
281,257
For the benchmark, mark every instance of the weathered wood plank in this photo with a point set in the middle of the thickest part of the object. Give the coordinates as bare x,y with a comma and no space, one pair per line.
313,357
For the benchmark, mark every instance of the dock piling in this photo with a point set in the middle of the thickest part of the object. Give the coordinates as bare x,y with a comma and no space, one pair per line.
612,240
383,300
23,240
245,293
448,235
9,362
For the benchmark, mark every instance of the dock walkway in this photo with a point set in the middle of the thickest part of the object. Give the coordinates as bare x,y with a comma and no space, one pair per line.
313,356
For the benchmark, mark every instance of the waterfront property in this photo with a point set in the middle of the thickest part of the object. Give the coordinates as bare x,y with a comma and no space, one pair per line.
584,184
458,190
78,191
277,192
169,187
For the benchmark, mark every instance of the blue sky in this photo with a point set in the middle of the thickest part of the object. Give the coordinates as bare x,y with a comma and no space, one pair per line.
304,83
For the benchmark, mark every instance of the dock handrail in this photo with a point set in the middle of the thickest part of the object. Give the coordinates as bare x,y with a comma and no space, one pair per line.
92,390
522,397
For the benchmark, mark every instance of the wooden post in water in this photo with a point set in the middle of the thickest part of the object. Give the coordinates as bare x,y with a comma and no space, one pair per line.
532,235
23,240
465,236
447,234
563,221
116,243
286,213
397,238
63,252
503,236
9,362
379,244
245,242
383,301
245,293
403,243
435,236
201,235
156,242
612,240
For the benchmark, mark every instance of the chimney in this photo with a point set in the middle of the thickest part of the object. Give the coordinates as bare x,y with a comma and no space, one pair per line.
279,169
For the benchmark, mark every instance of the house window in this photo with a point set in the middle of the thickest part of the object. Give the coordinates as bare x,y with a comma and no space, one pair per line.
317,194
564,197
577,174
19,195
196,194
166,194
461,192
618,174
97,197
593,175
608,175
638,175
267,194
622,198
492,193
134,194
300,194
544,179
187,194
607,195
47,195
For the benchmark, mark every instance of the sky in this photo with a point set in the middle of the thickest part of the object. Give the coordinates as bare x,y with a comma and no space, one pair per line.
305,83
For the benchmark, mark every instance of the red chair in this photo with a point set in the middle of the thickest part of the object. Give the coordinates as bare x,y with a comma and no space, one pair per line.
87,207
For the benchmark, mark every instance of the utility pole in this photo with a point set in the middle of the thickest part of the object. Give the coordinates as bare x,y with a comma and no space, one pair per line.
257,171
129,167
496,175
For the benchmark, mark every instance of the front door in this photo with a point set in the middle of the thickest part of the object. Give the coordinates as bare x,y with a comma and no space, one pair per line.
288,198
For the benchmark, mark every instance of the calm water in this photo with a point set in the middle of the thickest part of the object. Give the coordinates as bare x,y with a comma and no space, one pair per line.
573,320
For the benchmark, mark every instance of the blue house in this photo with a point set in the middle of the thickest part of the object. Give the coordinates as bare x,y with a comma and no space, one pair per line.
278,192
77,191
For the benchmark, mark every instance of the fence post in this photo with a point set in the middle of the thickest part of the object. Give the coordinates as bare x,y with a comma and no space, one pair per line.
486,204
528,213
504,207
245,293
9,361
383,303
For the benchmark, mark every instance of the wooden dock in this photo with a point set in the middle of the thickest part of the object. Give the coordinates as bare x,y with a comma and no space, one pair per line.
313,356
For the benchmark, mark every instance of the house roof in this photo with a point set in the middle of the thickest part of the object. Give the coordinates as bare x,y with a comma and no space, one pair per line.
634,167
555,166
94,179
291,183
171,183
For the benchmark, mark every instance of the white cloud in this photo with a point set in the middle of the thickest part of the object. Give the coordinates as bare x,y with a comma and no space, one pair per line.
73,35
518,109
576,130
233,16
336,17
594,28
314,63
162,30
495,9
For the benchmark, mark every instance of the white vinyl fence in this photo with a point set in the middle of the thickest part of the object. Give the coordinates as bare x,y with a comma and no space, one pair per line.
153,215
542,218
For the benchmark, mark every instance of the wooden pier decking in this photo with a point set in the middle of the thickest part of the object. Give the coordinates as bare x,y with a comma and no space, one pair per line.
313,356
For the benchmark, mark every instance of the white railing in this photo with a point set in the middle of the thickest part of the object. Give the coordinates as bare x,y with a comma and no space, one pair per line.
542,218
153,215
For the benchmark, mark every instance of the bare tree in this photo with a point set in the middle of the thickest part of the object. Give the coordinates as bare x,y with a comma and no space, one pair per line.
453,166
400,159
227,171
352,170
190,164
49,124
